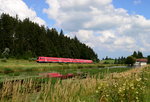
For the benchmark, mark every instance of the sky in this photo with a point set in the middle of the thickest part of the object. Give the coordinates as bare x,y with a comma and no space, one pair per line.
112,28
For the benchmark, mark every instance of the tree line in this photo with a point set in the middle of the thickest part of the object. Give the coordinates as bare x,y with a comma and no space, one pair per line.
27,39
130,59
138,54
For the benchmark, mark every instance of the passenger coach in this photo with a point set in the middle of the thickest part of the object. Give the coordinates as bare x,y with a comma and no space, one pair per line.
61,60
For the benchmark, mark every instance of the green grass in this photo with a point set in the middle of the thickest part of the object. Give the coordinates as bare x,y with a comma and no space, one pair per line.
146,75
31,66
90,89
90,71
20,80
107,61
24,68
22,65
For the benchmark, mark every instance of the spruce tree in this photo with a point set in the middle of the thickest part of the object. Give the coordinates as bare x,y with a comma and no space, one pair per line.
27,39
135,55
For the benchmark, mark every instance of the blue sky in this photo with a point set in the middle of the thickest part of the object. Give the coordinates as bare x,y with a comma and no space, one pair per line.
111,27
142,8
38,6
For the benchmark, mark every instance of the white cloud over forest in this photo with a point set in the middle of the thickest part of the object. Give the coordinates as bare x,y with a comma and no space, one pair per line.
100,25
18,7
95,22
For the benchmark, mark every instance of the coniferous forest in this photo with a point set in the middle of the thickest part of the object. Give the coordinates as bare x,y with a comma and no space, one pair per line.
27,39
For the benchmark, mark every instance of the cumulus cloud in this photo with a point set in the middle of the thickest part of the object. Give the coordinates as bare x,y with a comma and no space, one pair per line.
18,7
100,25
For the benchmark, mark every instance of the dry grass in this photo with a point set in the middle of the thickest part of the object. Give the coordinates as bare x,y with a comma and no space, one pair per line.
66,91
117,87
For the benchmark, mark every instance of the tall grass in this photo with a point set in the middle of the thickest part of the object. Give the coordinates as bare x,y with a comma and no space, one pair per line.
146,75
127,86
31,90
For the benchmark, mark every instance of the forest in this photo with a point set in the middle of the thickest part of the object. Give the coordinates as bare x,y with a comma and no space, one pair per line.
27,39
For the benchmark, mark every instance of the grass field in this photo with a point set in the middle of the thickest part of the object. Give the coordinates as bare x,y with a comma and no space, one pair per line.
31,68
101,84
23,65
22,68
107,61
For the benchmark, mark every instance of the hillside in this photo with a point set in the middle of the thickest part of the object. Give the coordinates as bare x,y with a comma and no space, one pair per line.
26,39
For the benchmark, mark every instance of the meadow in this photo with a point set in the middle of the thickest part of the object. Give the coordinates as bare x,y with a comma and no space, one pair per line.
28,68
20,82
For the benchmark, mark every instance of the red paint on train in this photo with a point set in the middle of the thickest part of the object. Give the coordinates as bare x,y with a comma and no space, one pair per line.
61,60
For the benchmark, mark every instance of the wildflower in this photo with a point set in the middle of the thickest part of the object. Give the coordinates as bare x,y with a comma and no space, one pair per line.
145,79
99,88
97,91
132,88
136,98
138,85
107,95
123,89
120,90
142,88
131,84
139,79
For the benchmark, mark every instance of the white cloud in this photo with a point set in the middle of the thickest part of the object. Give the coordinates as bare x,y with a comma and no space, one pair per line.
18,7
85,35
100,25
124,41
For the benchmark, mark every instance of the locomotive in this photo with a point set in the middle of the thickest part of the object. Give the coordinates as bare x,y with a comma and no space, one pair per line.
61,60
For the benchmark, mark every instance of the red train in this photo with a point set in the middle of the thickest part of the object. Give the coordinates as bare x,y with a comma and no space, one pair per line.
61,60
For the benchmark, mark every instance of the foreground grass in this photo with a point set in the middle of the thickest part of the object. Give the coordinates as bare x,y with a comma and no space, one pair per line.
128,86
146,75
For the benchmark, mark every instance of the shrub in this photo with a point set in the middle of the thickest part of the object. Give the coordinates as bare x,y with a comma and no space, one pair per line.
130,60
4,60
32,59
106,63
7,70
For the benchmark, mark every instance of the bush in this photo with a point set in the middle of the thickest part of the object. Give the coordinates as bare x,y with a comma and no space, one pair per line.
106,62
130,60
7,70
4,60
29,70
32,59
27,55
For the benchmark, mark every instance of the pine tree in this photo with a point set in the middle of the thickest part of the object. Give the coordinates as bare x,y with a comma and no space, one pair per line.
140,55
148,57
27,39
135,55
